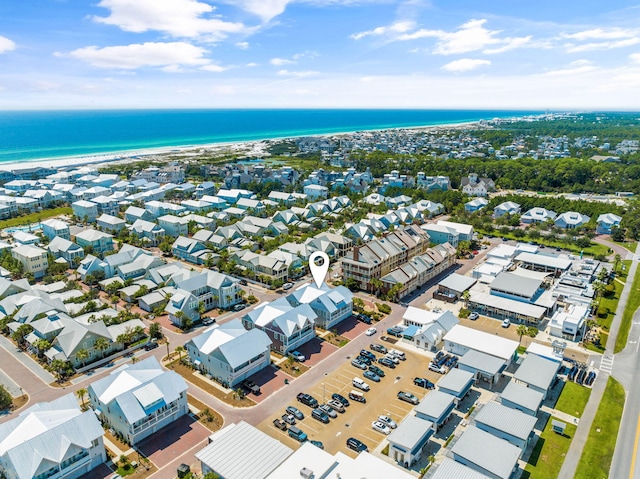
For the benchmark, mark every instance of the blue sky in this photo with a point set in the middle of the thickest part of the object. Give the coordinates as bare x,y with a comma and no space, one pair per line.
514,54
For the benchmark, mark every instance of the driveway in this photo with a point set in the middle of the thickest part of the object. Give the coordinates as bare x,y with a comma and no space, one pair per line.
351,328
270,380
316,350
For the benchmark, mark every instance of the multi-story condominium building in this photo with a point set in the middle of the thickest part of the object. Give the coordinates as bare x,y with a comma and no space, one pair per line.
33,259
174,225
380,256
139,399
99,242
51,440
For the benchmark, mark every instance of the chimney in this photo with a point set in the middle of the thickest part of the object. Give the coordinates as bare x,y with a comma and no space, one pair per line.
356,253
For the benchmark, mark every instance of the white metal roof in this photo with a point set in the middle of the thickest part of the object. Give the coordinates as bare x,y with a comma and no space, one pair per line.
481,341
507,304
544,260
488,452
510,421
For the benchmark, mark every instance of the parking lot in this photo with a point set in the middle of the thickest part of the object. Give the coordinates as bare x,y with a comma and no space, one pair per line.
357,419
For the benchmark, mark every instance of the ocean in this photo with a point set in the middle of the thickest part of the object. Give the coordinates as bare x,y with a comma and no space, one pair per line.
33,135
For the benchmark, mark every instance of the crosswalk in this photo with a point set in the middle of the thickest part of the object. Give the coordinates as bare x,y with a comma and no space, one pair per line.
606,364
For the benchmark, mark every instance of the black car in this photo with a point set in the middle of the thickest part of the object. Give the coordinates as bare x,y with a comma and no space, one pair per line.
308,400
317,444
368,354
150,345
341,398
243,282
378,348
423,383
376,370
356,445
395,331
387,362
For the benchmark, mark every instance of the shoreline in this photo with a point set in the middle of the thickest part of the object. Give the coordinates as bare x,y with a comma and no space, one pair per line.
109,157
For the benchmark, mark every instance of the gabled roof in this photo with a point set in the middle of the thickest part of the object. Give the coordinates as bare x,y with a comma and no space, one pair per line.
510,421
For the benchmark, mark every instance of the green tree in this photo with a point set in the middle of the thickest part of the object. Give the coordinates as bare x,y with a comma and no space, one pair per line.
155,330
21,333
81,393
82,355
101,344
42,345
179,350
6,401
521,330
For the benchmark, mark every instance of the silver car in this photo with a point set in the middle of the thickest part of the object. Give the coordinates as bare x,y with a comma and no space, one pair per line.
328,410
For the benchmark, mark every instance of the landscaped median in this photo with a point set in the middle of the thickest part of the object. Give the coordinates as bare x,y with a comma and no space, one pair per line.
633,302
597,454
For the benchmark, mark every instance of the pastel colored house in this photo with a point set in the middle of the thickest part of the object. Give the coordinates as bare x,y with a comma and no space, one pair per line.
606,222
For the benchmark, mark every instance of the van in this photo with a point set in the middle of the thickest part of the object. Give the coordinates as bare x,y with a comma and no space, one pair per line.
357,396
297,434
360,384
398,354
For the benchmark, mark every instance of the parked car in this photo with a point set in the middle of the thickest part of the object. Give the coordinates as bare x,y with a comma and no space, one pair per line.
319,415
371,331
243,282
368,354
388,421
298,356
423,383
363,318
328,410
358,364
473,316
340,398
387,362
287,286
153,344
395,331
364,359
438,369
297,434
376,370
356,445
398,354
308,400
289,419
336,405
295,412
360,384
250,386
506,323
317,444
379,348
408,397
357,396
239,307
280,424
372,376
380,427
394,359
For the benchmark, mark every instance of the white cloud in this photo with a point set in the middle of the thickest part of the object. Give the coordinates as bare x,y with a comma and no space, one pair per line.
587,47
265,9
601,34
251,65
280,61
398,27
178,18
577,67
242,45
212,67
470,36
465,64
128,57
6,45
635,57
297,74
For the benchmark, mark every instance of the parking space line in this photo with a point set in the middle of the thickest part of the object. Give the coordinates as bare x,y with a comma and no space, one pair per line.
370,439
309,427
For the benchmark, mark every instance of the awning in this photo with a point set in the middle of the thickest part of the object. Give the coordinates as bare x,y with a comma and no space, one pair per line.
410,332
197,362
97,412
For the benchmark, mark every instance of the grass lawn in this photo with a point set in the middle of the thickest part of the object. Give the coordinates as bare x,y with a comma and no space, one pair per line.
632,304
35,217
573,399
598,451
630,245
549,453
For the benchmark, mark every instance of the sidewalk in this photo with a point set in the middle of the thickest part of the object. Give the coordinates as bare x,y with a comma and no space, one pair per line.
584,427
26,361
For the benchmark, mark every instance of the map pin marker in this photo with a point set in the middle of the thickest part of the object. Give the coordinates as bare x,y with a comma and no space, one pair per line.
319,272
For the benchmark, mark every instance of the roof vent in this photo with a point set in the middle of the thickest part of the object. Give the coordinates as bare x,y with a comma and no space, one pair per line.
306,473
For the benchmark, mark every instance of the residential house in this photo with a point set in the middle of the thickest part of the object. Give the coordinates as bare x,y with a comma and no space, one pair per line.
174,225
331,305
134,213
538,215
571,219
98,241
206,188
191,250
151,232
440,234
107,205
53,227
262,265
63,248
506,208
475,205
316,191
51,440
110,224
33,258
85,210
474,186
137,400
287,326
229,353
606,222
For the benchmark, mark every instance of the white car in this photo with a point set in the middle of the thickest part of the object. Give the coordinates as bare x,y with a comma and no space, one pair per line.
388,421
380,427
506,323
371,331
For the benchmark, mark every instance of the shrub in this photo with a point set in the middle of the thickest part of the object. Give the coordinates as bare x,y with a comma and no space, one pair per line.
464,313
383,308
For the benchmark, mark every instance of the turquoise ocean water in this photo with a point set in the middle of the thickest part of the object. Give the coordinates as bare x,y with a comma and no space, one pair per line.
32,135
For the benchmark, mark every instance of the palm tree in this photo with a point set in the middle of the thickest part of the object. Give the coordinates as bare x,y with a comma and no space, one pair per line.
466,295
101,344
41,345
81,393
616,262
179,350
82,355
521,330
